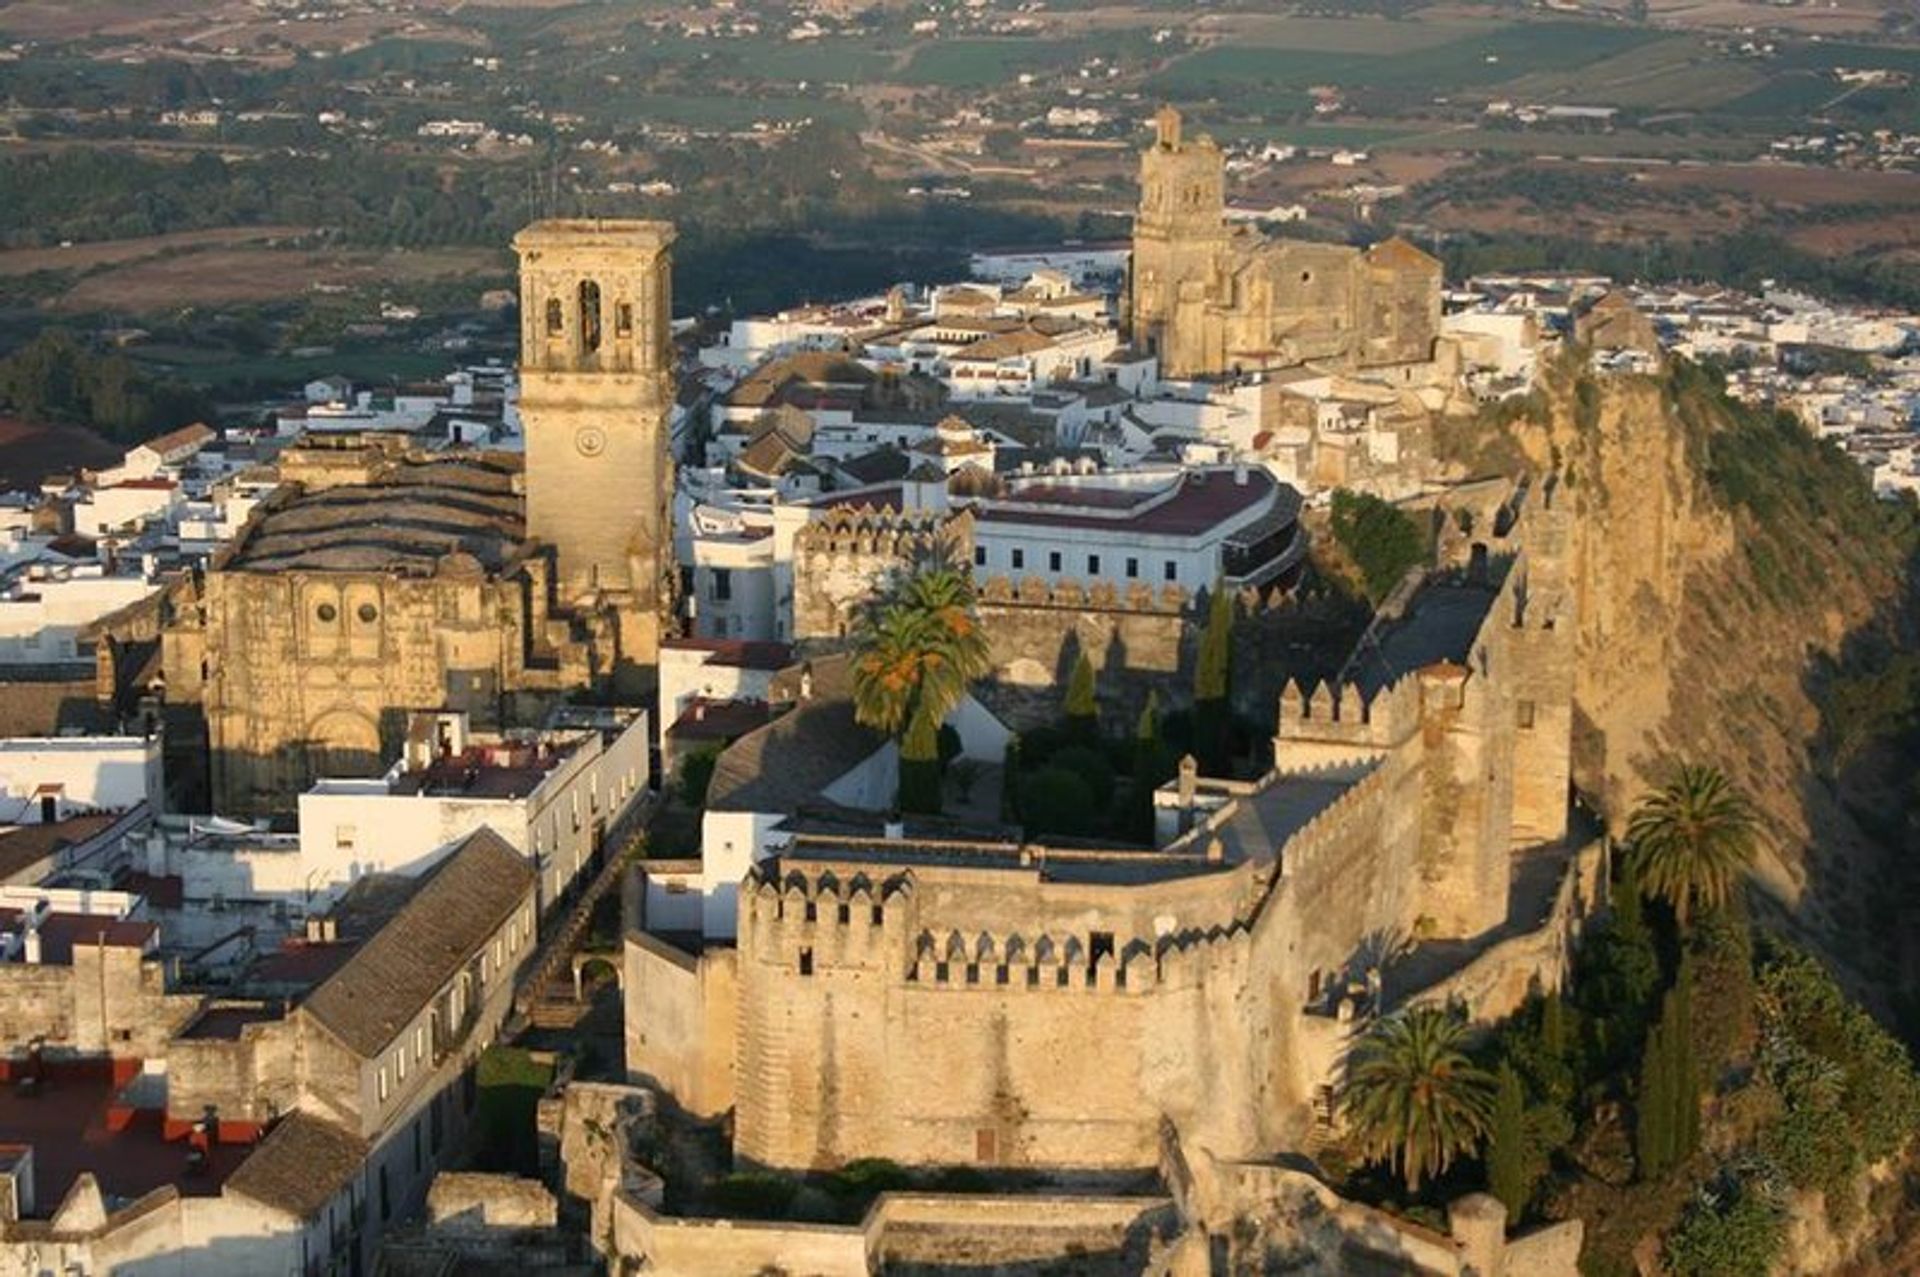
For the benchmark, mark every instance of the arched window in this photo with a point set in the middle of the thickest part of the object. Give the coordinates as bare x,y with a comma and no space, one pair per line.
589,315
555,322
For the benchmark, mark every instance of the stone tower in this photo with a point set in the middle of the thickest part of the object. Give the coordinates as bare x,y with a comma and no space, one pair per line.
596,390
1179,240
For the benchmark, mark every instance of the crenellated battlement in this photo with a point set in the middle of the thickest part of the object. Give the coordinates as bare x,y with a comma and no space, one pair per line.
1101,596
1061,963
1330,711
869,531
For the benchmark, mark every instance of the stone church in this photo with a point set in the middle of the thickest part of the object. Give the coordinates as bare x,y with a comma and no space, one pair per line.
1210,301
378,581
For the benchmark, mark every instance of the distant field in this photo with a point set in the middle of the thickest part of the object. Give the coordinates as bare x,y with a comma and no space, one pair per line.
983,63
87,257
1485,58
1377,36
1676,74
244,274
204,368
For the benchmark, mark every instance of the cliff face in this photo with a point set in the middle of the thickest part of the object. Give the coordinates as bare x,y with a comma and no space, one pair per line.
1726,565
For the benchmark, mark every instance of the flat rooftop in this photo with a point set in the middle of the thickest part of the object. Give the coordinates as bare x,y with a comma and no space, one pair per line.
1193,503
1262,822
66,1123
1440,624
408,519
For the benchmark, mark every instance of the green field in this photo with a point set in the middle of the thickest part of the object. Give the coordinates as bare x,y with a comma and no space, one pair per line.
1483,59
979,64
213,368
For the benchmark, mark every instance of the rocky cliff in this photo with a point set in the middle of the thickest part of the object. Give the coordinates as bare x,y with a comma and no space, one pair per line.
1739,588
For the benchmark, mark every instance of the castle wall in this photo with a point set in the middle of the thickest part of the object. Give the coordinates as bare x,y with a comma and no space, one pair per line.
680,1023
110,1001
936,1036
1037,630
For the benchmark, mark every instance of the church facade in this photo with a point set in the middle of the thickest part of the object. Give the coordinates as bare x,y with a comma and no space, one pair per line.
1208,301
378,581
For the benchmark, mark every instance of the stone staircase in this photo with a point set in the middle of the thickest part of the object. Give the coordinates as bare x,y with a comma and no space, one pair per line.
547,985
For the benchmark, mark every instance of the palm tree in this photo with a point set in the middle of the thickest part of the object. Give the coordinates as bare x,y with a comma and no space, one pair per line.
1692,839
1412,1098
917,646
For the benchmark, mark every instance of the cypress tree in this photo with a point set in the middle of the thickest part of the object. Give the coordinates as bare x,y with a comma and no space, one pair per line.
1082,708
1507,1177
1150,767
1686,1080
1653,1134
1211,675
1553,1027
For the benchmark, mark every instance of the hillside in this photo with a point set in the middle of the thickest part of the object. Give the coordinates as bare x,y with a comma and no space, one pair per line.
1744,600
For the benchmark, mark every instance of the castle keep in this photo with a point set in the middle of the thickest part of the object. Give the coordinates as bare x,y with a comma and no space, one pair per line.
1207,301
999,1003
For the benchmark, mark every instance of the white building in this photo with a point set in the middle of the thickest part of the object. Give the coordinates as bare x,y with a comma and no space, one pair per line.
49,779
44,611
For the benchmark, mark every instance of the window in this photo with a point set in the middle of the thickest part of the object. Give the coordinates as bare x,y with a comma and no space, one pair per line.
386,1204
1133,568
383,1084
343,837
327,613
1093,565
806,962
979,556
368,614
986,1148
1173,570
1019,559
722,585
400,1064
416,1146
420,1043
623,319
1523,714
589,315
1053,560
555,323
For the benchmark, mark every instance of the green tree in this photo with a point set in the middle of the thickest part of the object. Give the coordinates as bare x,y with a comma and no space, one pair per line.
1382,540
916,647
1692,840
1212,678
1507,1159
1653,1133
1152,767
1412,1097
1667,1116
1082,707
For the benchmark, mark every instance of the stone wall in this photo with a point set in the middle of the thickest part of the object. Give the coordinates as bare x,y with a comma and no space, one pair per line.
107,1002
900,1230
841,559
680,1021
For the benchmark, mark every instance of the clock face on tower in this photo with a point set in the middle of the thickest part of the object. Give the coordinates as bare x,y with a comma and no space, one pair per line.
590,440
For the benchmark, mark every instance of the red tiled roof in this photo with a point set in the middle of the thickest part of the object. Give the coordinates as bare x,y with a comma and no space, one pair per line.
746,654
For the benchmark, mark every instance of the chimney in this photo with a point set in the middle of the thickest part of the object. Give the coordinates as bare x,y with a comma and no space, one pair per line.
30,953
1189,773
895,830
1240,474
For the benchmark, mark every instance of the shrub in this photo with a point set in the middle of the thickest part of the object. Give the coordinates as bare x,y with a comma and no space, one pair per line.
1734,1230
1382,540
696,773
752,1195
1056,800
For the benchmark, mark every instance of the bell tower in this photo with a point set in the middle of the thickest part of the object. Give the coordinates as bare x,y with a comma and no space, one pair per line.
596,391
1179,235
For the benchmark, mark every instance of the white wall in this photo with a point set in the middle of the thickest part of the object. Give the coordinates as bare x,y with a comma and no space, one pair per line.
104,773
731,842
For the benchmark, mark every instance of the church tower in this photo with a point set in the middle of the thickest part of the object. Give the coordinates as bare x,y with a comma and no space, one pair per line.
1179,238
596,391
